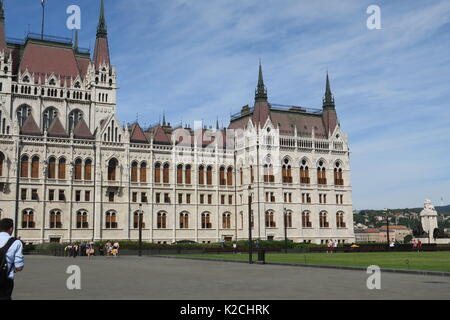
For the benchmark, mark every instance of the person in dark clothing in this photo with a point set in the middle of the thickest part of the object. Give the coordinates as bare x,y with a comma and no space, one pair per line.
12,253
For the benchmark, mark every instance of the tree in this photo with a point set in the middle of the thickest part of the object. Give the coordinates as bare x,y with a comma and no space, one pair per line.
436,233
407,238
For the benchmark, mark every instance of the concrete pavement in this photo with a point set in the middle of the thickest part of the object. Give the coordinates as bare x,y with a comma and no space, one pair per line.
159,278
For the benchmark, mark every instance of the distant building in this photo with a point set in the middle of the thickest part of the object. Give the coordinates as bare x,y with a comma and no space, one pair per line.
372,235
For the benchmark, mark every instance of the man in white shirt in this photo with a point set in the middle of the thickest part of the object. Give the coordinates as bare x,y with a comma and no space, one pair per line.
13,256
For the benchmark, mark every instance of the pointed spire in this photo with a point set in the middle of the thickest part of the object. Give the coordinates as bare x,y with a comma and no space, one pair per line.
164,119
101,53
2,28
75,42
328,100
102,31
261,91
2,11
217,123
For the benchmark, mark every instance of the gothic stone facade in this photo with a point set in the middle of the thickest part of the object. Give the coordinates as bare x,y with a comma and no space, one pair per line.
69,171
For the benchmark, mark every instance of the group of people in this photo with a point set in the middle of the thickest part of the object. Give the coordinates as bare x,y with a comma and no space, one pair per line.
331,245
87,249
83,249
111,249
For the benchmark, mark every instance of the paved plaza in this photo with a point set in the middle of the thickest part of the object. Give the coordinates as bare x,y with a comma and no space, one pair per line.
155,278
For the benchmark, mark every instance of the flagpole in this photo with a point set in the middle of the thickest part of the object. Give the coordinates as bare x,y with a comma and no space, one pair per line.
43,17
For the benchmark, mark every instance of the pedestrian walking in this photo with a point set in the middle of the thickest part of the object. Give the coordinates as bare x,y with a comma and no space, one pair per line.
414,245
11,258
235,247
330,246
75,250
419,246
90,249
115,249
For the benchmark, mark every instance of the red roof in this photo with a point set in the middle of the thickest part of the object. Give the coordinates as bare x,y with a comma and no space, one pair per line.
42,59
30,127
56,129
101,53
81,131
137,135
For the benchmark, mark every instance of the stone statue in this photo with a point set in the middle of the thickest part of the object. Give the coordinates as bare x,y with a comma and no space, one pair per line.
428,218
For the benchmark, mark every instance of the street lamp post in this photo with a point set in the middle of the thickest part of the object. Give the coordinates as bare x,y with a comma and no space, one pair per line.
250,241
140,229
285,232
387,225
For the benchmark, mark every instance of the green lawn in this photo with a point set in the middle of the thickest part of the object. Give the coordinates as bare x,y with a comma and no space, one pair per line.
430,261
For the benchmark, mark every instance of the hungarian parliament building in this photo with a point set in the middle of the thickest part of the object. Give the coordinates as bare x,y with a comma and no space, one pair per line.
70,171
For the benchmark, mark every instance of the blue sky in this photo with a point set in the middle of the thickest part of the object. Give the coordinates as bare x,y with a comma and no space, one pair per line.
198,59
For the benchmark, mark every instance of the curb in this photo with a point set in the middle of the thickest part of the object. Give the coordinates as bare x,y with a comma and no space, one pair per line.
402,271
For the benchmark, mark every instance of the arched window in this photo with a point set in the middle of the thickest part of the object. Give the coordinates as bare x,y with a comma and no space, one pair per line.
180,174
321,173
304,173
55,219
136,216
35,167
134,171
287,171
270,219
78,169
48,116
252,175
24,164
206,221
28,219
201,175
82,220
222,180
268,173
74,116
340,220
166,173
241,176
143,172
230,176
187,174
306,222
184,220
111,220
112,167
209,175
226,221
62,169
2,159
157,172
22,114
288,219
338,178
324,220
161,221
51,170
88,170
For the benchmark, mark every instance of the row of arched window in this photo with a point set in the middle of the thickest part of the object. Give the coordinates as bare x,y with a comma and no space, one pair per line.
52,92
82,220
306,220
55,220
56,168
49,114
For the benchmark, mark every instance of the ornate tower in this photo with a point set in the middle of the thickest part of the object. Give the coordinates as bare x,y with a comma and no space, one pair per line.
329,109
103,74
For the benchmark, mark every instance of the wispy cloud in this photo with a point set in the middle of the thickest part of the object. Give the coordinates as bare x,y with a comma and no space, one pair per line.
198,60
